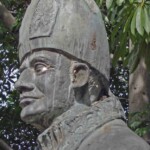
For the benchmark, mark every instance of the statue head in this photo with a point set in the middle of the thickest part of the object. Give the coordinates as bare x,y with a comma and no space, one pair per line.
64,56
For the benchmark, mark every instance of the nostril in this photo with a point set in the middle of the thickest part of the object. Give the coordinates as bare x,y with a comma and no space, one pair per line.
24,87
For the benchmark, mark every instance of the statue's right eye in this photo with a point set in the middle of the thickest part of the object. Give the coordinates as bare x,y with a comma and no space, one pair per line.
40,68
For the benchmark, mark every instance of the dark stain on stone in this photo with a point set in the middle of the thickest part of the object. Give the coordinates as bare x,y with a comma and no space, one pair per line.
93,43
44,140
144,93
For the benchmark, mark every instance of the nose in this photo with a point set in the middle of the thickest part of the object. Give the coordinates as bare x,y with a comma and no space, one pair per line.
25,82
23,87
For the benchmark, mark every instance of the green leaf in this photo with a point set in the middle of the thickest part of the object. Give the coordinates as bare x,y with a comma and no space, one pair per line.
139,23
99,2
119,2
140,1
131,1
135,124
147,2
133,23
116,30
126,60
146,23
121,50
128,22
108,3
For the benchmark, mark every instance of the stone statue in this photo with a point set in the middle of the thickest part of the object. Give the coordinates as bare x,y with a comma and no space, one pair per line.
64,80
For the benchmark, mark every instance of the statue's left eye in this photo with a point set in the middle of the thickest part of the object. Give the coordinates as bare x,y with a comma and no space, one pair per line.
40,68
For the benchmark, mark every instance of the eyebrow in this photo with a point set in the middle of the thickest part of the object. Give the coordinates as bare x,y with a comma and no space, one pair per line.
37,59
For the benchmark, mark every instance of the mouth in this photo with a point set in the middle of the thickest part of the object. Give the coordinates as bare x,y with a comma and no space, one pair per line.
25,101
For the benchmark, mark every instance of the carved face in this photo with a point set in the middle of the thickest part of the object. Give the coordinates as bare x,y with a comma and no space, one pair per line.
44,86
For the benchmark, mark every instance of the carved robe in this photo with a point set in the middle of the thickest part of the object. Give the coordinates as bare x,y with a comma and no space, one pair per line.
100,127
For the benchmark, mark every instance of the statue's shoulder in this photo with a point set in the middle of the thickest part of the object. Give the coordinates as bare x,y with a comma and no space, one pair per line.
114,135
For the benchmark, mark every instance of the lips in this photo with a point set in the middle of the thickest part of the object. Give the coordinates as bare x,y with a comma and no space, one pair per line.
25,101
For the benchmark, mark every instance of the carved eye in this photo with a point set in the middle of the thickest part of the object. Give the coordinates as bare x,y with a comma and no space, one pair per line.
41,68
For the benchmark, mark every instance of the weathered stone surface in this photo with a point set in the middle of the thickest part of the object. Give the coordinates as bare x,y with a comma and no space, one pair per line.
64,78
72,128
74,27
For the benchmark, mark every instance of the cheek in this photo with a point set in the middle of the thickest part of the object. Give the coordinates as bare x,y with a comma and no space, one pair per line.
45,83
62,90
55,87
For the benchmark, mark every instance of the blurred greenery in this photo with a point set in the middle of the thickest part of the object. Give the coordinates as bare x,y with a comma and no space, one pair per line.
128,26
140,121
15,132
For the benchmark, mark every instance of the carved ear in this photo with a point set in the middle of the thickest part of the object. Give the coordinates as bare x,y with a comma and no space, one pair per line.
79,74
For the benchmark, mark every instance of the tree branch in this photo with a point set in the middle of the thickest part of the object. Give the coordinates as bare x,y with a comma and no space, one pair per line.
6,17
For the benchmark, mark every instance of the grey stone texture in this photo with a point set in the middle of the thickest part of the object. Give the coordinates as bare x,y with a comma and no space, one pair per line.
92,128
71,26
64,80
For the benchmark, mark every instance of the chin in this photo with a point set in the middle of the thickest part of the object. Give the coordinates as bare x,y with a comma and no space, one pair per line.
28,118
40,120
32,113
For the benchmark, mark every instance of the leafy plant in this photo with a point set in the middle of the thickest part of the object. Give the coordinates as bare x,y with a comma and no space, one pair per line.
128,27
140,121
